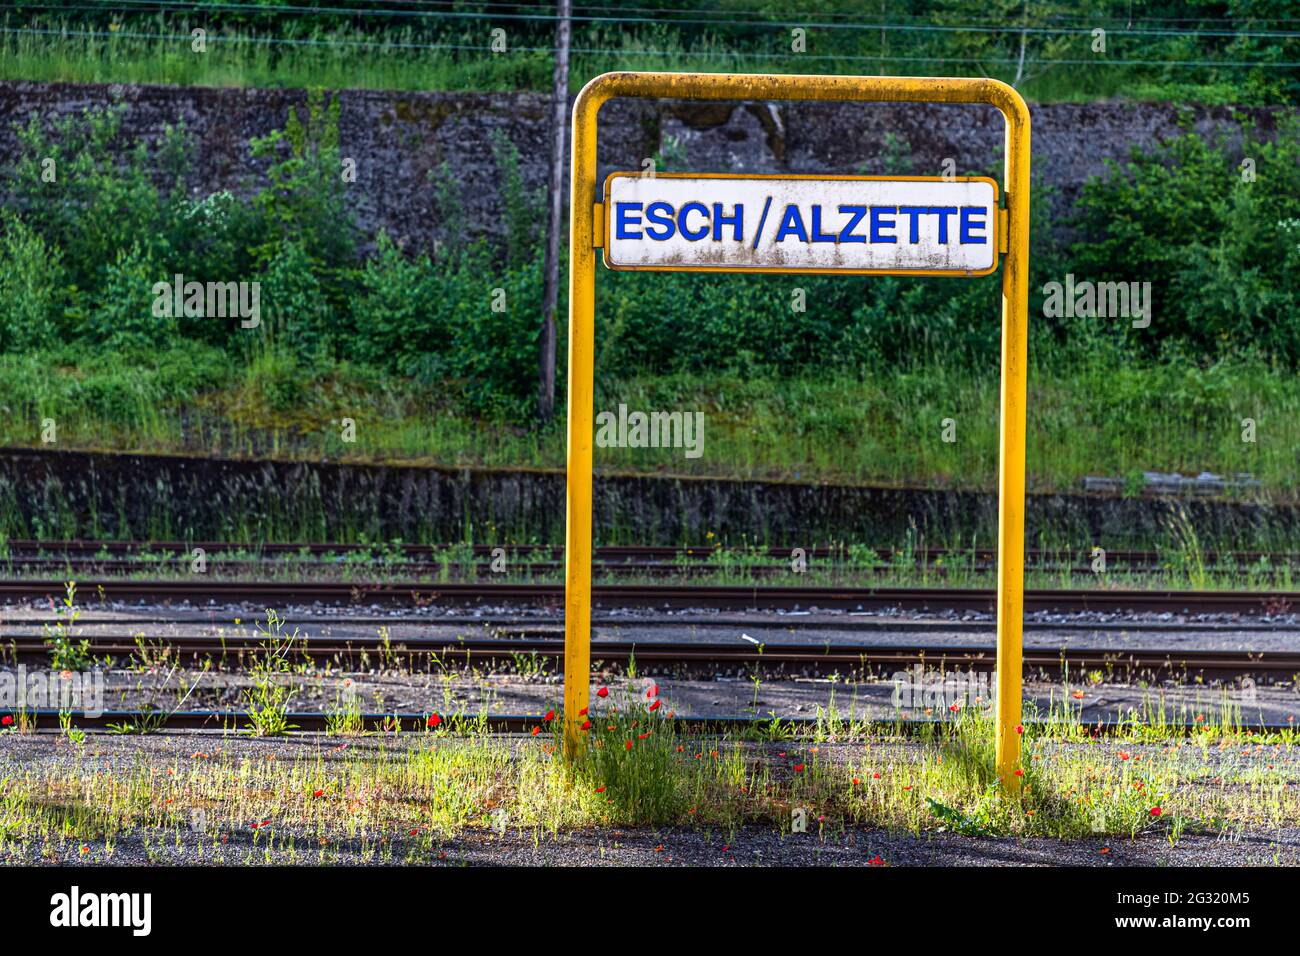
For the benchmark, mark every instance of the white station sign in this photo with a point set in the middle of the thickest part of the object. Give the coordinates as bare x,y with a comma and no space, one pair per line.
848,224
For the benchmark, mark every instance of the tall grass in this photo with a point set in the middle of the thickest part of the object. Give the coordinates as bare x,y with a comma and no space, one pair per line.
295,54
1085,418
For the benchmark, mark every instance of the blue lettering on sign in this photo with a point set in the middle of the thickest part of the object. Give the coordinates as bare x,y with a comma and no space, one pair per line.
855,216
968,223
736,221
943,212
914,214
817,234
695,221
623,223
693,235
878,222
791,224
660,214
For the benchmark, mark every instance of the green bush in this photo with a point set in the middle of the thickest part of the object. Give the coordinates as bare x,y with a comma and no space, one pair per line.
294,315
306,202
441,323
492,356
213,238
130,314
88,196
32,291
1219,248
400,313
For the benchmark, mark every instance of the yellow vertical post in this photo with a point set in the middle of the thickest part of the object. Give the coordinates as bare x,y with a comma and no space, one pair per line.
1011,451
1015,347
582,360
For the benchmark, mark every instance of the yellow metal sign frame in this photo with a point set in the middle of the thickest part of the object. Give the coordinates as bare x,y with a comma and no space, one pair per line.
999,226
585,231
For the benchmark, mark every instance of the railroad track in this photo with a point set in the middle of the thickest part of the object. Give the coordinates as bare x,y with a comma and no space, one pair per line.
82,566
675,656
733,597
462,571
645,559
75,547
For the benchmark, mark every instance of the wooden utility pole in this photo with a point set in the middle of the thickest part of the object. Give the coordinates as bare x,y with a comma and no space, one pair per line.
555,214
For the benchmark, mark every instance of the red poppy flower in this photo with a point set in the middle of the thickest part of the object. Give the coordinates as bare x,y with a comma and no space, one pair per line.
6,720
586,725
601,788
655,705
1019,772
798,768
583,712
1156,811
643,736
876,860
414,831
629,745
856,781
1020,728
653,691
434,721
536,731
602,692
319,793
550,715
876,775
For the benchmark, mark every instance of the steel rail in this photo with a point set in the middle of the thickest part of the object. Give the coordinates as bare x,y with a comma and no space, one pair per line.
802,659
735,597
131,722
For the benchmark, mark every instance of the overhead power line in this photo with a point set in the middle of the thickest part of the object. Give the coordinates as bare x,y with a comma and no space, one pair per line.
738,56
727,21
